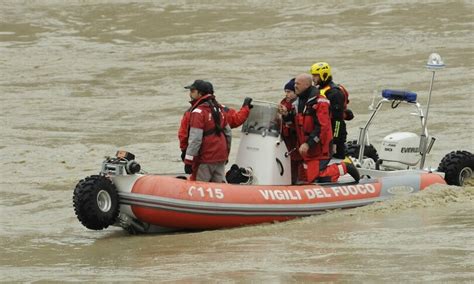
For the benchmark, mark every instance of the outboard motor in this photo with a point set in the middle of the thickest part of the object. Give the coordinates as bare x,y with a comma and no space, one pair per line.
122,164
400,150
261,148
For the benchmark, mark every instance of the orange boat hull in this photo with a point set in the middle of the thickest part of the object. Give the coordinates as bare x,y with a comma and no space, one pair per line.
181,204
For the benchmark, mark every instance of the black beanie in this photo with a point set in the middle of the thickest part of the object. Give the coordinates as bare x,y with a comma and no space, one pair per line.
290,85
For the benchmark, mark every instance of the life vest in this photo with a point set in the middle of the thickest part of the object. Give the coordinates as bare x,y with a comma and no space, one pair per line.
346,95
348,114
341,88
316,106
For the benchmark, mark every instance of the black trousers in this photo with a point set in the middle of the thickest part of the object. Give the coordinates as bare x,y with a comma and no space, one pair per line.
341,141
340,150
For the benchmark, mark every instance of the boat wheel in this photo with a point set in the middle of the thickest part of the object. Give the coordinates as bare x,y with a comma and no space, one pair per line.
95,202
457,167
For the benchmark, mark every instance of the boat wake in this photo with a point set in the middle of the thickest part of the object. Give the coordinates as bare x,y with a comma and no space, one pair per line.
434,196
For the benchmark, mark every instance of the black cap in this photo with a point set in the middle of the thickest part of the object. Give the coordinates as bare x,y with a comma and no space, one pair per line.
201,86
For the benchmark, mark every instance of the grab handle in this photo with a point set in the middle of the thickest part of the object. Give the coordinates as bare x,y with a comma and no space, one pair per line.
282,170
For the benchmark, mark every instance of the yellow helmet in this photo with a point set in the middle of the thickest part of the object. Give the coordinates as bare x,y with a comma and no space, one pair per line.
322,69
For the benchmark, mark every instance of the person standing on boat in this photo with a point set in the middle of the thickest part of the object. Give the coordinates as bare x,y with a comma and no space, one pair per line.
234,118
339,98
289,132
313,128
209,135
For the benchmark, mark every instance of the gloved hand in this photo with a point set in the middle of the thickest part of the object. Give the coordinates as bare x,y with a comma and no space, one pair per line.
188,169
183,155
248,102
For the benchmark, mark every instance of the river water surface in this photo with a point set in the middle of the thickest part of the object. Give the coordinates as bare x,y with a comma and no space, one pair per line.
81,79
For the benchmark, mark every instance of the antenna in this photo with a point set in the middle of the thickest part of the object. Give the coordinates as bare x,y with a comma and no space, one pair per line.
435,62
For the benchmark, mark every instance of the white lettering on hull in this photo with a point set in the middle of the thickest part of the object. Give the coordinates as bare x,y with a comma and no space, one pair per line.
280,194
318,192
202,192
353,189
312,193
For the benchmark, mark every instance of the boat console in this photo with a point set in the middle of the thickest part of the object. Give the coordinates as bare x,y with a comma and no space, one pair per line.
262,149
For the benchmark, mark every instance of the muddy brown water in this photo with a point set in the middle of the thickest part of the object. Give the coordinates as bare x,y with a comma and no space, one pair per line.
81,79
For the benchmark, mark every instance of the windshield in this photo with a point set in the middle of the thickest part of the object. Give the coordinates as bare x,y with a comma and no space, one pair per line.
263,119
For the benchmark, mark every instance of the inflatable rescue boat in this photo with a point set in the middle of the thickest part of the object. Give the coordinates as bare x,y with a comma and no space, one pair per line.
123,196
153,203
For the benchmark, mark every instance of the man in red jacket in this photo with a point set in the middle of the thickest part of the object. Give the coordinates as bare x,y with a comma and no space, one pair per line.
234,118
313,128
209,135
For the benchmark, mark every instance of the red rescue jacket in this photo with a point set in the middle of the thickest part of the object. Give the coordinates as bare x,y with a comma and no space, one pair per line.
207,143
288,133
234,118
313,126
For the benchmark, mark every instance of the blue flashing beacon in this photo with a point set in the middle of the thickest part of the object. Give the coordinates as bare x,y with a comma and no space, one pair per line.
398,95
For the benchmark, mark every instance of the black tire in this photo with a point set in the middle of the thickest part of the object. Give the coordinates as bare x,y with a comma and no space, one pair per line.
352,149
457,167
95,202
